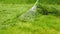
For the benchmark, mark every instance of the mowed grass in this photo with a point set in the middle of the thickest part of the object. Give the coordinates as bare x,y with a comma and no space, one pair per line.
9,11
42,24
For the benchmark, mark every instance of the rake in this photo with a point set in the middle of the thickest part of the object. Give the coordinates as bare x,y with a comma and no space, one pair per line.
30,14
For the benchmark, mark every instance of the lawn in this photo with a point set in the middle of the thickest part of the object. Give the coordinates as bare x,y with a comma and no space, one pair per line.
10,22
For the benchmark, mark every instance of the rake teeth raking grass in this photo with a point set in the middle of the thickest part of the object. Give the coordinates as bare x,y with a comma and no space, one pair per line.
30,14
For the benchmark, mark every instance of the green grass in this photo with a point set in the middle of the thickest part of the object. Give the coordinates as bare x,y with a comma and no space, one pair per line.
10,11
10,22
17,1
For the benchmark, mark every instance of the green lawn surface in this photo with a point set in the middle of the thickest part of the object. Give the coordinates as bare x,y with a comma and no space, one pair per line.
10,22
